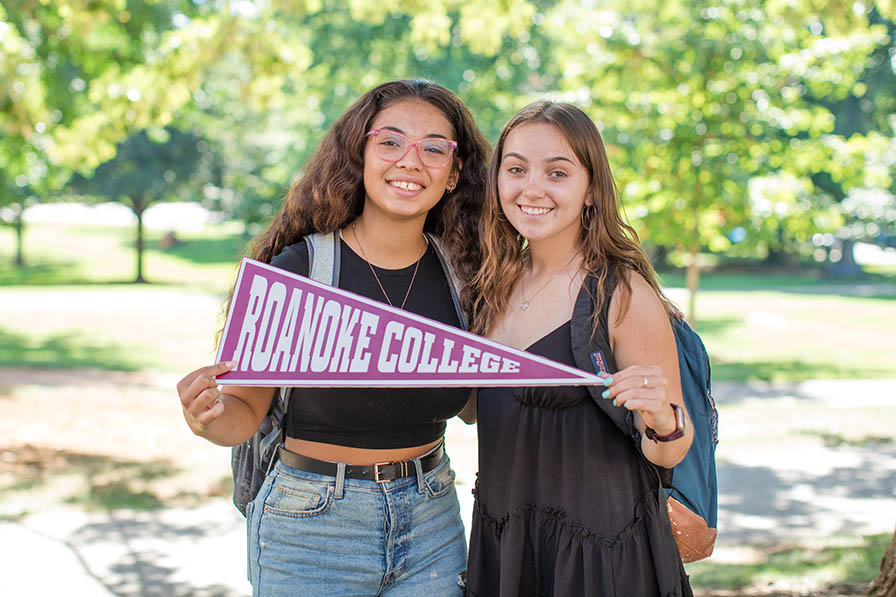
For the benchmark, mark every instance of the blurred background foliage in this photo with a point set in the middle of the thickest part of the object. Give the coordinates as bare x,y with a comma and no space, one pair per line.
756,129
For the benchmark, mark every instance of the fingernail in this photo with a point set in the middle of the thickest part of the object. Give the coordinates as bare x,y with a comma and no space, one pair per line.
608,381
606,394
614,402
230,364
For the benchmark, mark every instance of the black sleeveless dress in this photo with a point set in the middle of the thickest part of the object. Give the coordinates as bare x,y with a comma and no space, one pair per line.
565,505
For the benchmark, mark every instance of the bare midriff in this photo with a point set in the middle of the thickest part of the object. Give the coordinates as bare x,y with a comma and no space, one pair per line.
350,455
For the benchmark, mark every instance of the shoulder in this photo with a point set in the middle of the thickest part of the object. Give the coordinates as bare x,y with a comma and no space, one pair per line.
640,310
293,258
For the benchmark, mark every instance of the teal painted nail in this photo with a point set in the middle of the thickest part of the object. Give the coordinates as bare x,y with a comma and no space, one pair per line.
614,402
606,394
608,381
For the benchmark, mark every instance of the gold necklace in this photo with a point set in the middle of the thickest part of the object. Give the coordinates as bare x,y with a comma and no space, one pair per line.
524,304
377,278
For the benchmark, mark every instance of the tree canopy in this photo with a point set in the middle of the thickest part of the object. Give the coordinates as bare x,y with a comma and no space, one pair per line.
743,128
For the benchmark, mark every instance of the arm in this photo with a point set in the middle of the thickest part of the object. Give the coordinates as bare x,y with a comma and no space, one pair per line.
644,346
225,418
468,414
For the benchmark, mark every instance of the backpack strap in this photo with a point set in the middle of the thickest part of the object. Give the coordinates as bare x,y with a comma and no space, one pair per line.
323,267
454,284
323,257
584,345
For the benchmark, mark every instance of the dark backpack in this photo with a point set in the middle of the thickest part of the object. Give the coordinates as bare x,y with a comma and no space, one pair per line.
693,481
251,461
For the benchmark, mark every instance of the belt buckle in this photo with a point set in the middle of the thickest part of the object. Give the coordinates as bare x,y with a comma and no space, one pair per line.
402,471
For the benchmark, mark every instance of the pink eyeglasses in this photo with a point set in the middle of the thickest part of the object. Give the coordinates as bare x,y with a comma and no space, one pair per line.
392,146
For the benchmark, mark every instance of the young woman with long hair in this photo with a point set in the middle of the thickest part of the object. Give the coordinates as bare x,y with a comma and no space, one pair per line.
404,160
566,501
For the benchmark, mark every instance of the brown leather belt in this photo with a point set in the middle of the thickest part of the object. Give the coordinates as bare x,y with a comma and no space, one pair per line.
381,472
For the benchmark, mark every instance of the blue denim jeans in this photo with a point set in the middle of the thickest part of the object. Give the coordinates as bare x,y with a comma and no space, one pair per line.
311,535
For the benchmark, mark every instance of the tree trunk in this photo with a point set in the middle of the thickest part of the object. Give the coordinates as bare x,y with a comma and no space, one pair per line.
885,584
847,266
692,280
19,225
139,207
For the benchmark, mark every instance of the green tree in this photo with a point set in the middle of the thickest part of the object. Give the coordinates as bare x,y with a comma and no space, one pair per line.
707,109
863,173
146,169
56,58
337,52
23,163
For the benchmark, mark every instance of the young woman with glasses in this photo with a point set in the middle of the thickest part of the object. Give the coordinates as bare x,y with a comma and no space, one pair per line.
566,503
405,159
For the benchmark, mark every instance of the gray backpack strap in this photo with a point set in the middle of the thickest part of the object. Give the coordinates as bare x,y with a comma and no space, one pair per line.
454,284
323,257
323,267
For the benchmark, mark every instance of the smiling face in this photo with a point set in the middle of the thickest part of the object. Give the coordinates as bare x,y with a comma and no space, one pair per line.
541,184
406,189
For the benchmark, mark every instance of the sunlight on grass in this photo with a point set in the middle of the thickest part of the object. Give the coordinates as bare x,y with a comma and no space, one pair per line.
73,255
117,327
778,335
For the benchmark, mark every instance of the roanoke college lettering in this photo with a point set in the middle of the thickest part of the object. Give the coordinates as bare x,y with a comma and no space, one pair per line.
310,332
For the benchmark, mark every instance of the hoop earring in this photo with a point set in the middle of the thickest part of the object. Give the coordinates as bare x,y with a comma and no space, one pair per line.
588,217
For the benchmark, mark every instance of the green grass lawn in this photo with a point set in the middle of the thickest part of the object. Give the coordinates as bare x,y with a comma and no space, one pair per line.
794,336
804,566
75,255
783,326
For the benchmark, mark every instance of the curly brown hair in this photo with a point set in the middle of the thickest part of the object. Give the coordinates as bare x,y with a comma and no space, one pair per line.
607,242
330,192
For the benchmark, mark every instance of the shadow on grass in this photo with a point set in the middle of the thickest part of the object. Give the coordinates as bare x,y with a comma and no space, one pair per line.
43,274
794,371
718,325
836,440
65,351
55,274
92,481
855,562
794,553
206,251
128,549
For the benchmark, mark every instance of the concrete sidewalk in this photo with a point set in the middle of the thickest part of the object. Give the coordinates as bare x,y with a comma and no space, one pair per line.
769,494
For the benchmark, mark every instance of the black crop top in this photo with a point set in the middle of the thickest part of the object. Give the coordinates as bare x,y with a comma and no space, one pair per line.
377,418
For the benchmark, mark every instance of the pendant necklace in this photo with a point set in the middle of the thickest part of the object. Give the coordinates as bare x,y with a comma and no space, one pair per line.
377,278
524,304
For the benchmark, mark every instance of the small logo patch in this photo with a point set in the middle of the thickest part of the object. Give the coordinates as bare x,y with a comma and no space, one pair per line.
599,362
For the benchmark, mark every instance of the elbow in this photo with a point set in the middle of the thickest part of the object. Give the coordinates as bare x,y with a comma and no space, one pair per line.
468,413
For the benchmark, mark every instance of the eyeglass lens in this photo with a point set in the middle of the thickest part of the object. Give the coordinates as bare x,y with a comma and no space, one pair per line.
392,146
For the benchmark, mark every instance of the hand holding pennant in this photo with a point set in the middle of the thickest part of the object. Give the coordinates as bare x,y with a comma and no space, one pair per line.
287,330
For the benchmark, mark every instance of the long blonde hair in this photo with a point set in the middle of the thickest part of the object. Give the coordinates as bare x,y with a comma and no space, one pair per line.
607,242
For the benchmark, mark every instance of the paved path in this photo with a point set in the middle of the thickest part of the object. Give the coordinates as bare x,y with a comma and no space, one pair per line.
768,495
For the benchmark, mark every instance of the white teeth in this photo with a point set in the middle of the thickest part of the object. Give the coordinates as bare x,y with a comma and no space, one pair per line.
534,211
405,185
